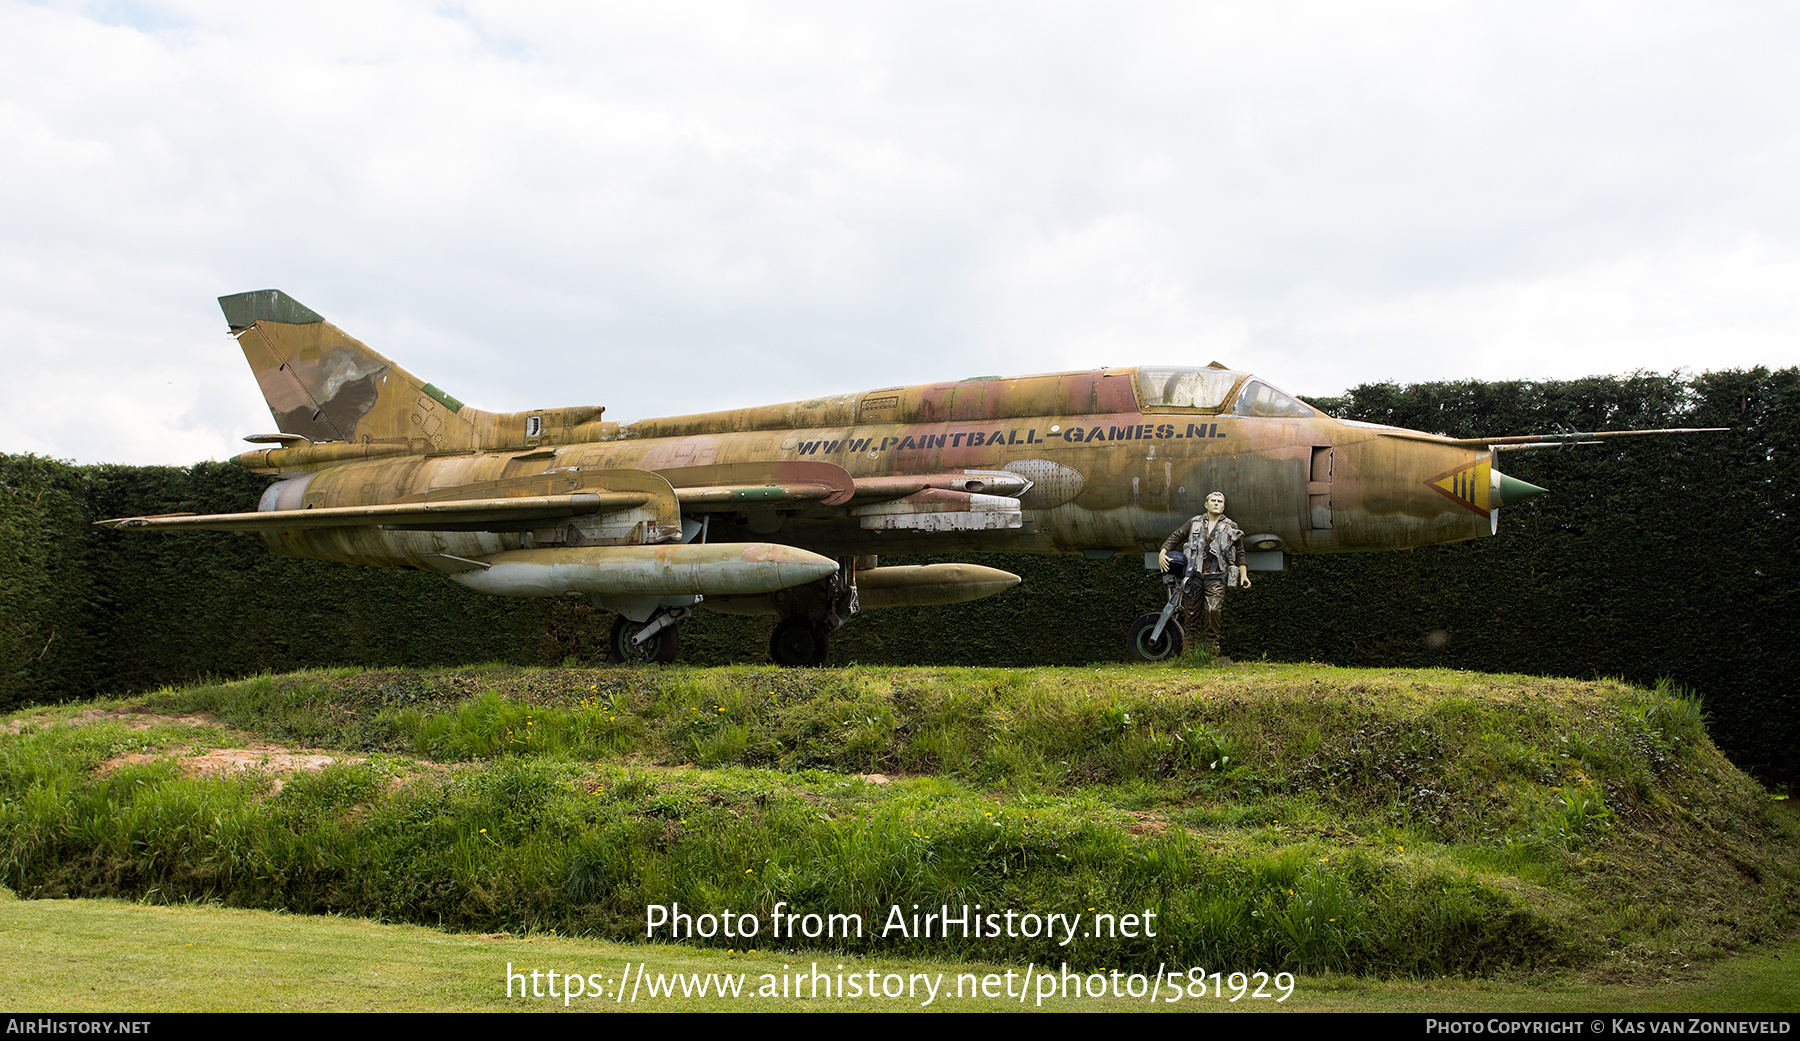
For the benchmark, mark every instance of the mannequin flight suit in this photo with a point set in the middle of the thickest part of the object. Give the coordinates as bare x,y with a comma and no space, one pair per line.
1215,552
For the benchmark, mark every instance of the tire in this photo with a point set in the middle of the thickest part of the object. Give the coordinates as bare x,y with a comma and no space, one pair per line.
658,650
800,641
1140,647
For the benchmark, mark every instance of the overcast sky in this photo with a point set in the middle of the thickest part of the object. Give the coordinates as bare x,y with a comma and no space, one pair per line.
668,207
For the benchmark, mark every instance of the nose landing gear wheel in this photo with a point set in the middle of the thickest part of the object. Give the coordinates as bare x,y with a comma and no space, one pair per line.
1142,648
800,641
659,649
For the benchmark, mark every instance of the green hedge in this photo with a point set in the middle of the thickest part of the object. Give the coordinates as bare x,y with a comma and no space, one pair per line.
1650,558
46,649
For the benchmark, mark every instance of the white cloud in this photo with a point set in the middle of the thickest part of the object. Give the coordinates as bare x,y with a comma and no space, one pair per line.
665,208
1692,306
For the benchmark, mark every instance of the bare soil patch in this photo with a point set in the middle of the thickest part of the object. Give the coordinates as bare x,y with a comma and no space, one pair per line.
136,718
273,760
1145,823
140,718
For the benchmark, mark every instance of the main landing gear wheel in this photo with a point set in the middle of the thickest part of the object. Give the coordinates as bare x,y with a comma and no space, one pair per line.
800,641
659,649
1142,648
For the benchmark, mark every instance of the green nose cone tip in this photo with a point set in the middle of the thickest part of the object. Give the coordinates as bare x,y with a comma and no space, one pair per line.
1513,491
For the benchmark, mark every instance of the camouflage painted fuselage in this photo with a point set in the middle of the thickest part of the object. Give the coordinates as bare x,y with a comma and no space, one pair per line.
1111,469
1108,473
786,509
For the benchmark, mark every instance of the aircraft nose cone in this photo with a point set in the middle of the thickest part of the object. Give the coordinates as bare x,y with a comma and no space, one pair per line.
1510,491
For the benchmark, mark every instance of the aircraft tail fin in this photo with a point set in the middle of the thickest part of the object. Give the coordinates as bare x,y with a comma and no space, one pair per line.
325,385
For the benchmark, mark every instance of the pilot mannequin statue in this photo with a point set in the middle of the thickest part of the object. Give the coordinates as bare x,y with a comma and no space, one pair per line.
1215,552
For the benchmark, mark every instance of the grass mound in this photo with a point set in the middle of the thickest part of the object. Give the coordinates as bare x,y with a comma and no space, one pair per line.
1301,818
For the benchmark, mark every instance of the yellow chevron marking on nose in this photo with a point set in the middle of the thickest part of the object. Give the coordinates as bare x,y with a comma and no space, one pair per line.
1467,486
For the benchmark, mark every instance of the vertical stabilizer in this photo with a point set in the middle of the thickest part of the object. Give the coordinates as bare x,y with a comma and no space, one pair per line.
327,386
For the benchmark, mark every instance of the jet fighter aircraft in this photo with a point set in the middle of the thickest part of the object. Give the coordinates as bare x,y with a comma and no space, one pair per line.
785,509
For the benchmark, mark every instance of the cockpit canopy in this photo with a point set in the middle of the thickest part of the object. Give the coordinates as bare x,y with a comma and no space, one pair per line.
1213,390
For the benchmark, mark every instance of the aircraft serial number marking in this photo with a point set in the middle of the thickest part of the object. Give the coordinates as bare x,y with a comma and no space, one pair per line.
1010,436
